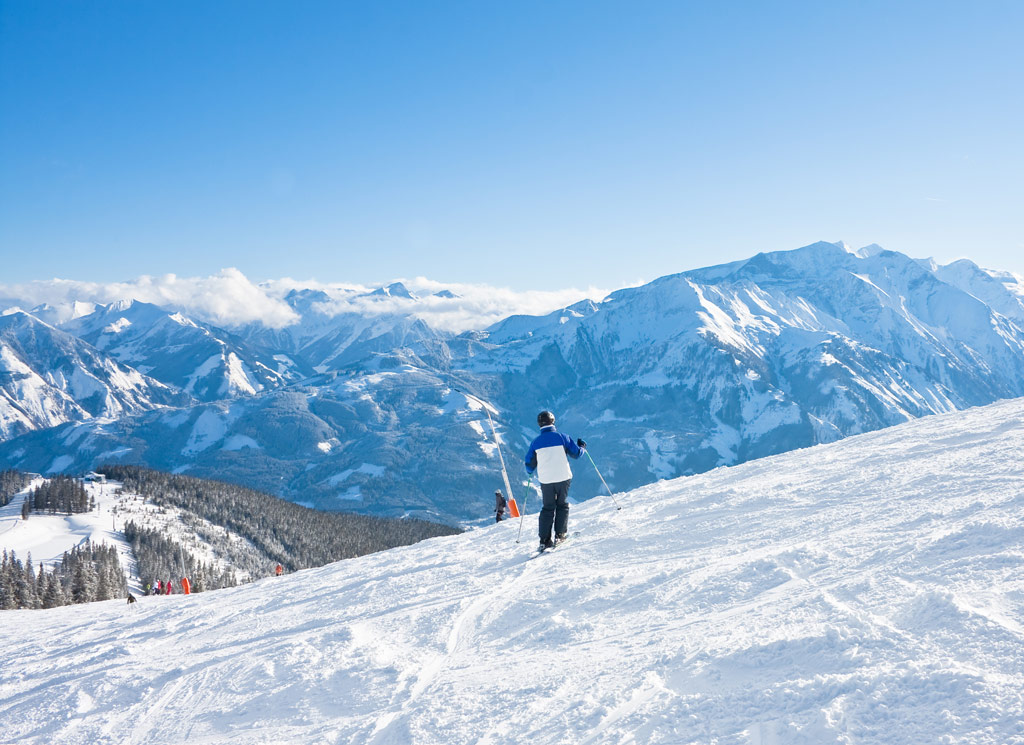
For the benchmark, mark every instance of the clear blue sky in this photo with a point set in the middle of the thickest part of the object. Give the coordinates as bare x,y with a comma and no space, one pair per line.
533,145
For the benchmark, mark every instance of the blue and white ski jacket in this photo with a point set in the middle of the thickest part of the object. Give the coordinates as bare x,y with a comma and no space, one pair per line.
547,456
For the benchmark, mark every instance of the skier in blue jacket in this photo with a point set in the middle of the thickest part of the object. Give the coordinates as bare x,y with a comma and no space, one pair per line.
547,456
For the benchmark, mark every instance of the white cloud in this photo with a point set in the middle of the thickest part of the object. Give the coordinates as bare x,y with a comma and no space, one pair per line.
231,299
474,307
227,298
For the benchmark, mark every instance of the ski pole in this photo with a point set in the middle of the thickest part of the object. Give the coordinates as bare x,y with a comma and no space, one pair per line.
522,513
617,507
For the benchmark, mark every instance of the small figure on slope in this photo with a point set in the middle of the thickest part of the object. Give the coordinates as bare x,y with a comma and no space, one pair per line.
547,456
500,503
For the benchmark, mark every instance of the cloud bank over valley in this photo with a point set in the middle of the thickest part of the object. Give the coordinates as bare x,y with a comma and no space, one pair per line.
230,299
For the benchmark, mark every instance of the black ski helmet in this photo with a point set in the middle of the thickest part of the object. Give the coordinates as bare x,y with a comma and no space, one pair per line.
545,418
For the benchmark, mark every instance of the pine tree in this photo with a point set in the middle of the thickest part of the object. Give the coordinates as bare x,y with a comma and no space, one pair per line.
54,595
27,587
83,583
14,577
40,585
7,599
102,591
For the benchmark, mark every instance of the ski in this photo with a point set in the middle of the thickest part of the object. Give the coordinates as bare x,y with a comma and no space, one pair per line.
549,549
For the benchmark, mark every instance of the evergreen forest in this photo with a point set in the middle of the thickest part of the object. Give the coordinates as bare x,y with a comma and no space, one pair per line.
86,573
247,533
274,531
11,482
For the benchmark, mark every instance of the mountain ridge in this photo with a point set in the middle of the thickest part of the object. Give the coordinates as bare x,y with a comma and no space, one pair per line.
694,370
49,377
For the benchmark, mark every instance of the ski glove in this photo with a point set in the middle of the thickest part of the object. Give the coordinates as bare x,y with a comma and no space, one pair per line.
580,443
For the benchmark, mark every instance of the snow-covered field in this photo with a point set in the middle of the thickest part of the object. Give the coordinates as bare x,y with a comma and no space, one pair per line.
46,537
867,591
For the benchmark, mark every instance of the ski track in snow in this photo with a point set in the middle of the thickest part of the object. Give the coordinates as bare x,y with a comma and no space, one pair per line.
866,591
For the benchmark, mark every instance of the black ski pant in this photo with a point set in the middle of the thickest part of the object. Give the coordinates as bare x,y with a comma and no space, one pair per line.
555,509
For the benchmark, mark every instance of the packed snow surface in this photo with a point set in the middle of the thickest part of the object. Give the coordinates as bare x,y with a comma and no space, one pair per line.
45,537
866,591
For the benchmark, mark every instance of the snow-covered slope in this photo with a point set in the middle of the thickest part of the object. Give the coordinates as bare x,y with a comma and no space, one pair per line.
344,327
201,360
785,349
46,537
400,441
864,591
1003,291
48,377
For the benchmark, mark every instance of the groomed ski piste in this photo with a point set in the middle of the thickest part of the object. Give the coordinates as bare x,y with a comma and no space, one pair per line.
46,537
866,591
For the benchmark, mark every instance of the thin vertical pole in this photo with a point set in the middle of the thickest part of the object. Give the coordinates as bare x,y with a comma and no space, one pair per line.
603,481
497,445
522,512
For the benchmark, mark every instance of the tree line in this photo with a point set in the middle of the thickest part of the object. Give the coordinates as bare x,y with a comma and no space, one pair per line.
274,531
11,482
249,532
86,573
59,494
160,558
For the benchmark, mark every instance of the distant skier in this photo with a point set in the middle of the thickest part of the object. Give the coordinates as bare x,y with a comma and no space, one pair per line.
547,456
159,587
500,503
168,588
278,570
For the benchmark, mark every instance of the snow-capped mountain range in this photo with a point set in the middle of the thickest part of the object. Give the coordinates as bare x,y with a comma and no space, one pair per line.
863,592
361,404
48,377
203,361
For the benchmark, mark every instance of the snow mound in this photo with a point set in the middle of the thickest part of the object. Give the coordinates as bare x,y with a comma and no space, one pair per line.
866,591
